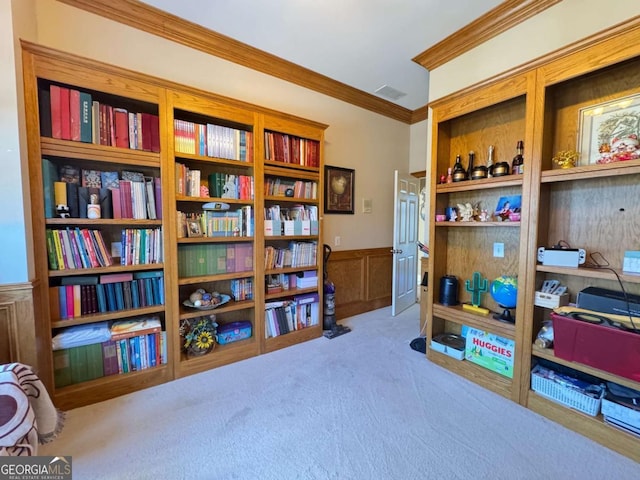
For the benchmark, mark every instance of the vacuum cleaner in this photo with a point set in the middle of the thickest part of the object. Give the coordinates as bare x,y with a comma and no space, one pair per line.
331,329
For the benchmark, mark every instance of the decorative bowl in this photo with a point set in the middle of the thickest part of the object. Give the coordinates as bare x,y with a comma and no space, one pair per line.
441,218
514,216
224,298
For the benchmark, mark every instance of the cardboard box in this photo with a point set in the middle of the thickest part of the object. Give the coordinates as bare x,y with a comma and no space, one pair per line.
549,300
620,413
606,348
489,351
447,350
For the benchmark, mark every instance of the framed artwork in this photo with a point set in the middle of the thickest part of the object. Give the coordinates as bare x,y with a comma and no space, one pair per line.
338,189
193,228
610,131
508,208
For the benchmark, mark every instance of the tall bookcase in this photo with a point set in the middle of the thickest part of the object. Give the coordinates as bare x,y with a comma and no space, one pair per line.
292,179
108,86
207,162
584,207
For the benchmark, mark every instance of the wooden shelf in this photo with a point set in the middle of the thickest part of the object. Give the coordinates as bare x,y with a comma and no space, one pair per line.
290,269
587,172
486,323
288,166
587,272
288,293
188,240
548,354
219,356
102,222
213,160
592,427
307,173
273,238
214,278
98,153
477,224
232,306
230,201
105,270
102,317
485,183
486,378
281,199
292,338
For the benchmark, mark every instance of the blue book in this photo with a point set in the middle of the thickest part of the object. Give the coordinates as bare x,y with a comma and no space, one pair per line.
62,301
149,290
151,349
86,124
102,298
119,295
135,294
134,345
111,297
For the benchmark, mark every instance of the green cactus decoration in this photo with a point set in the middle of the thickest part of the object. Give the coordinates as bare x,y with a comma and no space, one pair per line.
477,288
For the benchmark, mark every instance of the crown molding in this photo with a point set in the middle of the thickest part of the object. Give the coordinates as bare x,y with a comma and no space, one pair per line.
152,20
500,19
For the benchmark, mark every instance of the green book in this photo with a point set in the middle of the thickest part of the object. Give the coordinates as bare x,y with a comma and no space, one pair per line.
86,124
49,176
61,368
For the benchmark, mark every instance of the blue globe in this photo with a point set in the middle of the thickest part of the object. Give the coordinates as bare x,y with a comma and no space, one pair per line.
504,291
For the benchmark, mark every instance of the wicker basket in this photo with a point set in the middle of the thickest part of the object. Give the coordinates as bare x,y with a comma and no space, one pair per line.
564,395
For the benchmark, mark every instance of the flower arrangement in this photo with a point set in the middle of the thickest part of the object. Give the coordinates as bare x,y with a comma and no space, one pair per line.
566,158
199,334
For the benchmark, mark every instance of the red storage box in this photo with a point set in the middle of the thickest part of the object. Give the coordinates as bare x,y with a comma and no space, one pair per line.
606,348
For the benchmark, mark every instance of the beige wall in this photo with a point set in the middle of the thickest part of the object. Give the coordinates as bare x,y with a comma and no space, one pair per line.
371,144
560,25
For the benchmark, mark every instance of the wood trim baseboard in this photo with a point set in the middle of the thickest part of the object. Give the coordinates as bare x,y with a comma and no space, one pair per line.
157,22
500,19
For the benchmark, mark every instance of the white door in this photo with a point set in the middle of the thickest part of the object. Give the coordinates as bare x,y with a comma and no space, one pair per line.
405,242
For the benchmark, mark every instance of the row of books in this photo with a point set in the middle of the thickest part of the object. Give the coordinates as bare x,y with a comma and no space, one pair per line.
71,114
214,258
227,223
132,196
242,289
189,183
134,351
297,254
75,296
280,147
287,316
213,141
278,187
140,246
76,248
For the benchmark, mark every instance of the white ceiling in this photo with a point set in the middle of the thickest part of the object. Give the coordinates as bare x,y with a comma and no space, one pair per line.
365,44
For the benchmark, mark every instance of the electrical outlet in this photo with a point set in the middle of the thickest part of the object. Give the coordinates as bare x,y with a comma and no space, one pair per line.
336,241
498,250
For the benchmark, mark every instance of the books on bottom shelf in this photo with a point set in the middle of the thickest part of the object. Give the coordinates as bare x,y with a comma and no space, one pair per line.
87,352
286,316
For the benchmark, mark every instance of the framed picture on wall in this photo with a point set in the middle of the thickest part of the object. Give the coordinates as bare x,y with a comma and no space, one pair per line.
338,189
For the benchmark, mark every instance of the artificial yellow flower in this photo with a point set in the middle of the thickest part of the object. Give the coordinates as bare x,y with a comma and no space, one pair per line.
204,340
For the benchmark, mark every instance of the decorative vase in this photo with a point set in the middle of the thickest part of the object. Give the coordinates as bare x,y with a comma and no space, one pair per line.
194,351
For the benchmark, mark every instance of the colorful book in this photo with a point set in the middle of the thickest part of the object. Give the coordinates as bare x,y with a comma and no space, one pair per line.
86,118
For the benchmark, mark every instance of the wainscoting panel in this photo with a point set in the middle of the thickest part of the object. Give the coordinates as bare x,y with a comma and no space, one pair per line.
362,279
17,333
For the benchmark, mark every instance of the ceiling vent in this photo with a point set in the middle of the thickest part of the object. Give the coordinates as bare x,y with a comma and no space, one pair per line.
390,92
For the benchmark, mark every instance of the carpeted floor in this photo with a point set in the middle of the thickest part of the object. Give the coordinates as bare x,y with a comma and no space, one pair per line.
360,406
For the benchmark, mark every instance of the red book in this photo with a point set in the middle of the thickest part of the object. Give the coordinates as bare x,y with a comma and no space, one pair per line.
110,358
70,303
244,257
112,126
104,139
88,243
74,114
115,201
155,133
116,277
147,127
65,119
121,127
126,204
56,120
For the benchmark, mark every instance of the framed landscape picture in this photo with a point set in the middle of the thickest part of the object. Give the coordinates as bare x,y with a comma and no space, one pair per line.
338,189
